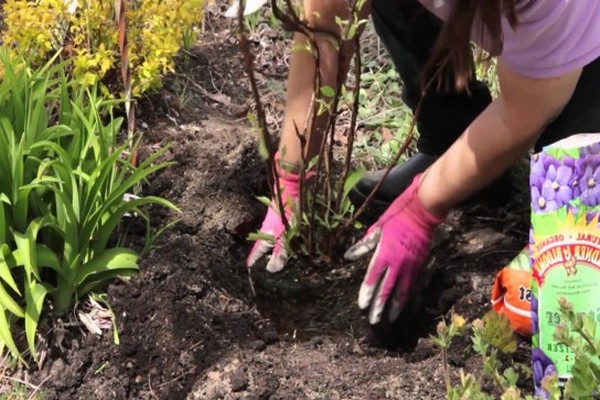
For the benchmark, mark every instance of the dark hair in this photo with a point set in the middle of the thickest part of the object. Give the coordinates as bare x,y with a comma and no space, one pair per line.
451,60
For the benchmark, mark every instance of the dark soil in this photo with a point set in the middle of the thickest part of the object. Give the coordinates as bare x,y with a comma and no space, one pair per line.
188,323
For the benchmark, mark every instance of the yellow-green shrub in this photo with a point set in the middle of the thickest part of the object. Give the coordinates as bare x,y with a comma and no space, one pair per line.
155,32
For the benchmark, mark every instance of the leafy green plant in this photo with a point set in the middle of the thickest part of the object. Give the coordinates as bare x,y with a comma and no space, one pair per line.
492,338
578,331
64,178
156,29
324,211
445,333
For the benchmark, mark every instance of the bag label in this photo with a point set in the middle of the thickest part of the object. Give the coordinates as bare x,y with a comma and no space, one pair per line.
566,265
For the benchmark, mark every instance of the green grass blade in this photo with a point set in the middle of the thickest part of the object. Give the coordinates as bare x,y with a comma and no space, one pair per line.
68,221
100,177
13,82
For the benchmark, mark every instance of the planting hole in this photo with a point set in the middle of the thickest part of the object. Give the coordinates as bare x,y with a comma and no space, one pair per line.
304,305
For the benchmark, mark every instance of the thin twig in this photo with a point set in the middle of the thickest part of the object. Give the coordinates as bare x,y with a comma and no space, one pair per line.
180,376
37,388
150,387
352,132
446,369
25,383
292,22
263,131
121,22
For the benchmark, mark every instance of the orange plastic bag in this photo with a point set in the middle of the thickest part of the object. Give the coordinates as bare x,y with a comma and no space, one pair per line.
511,293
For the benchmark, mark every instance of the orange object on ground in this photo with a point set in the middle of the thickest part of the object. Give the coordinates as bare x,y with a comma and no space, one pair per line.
511,293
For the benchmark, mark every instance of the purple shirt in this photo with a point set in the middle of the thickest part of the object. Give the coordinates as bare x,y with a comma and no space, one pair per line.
552,37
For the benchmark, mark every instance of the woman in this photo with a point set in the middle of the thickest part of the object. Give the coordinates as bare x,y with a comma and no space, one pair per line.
549,74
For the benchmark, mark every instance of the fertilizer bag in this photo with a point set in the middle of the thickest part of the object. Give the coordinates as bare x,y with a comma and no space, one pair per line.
564,244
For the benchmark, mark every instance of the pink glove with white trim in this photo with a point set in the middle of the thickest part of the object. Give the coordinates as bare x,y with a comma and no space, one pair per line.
401,237
289,184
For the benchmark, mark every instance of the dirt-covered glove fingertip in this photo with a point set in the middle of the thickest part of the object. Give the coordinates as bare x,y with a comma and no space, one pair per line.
365,294
276,263
260,248
376,311
363,246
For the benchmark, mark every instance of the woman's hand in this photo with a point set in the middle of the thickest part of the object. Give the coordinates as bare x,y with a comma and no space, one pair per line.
401,239
289,185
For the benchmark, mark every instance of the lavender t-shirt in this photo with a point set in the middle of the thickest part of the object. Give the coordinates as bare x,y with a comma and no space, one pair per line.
552,37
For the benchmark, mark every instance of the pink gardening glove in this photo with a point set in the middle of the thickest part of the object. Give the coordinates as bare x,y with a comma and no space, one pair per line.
401,237
289,184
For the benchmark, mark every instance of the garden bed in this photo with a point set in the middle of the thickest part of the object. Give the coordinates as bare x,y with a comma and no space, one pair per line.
189,325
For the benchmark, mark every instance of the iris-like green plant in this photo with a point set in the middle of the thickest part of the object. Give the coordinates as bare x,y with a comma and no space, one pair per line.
63,177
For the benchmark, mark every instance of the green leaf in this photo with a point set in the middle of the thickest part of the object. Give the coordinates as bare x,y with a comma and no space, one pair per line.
353,178
9,303
264,200
26,244
498,332
351,32
106,229
6,336
115,197
68,223
511,377
48,258
256,236
589,326
117,258
99,281
5,273
327,91
582,381
3,221
595,369
34,298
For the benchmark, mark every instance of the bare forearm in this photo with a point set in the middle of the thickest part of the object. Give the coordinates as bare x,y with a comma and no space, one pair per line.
486,150
301,79
498,137
300,89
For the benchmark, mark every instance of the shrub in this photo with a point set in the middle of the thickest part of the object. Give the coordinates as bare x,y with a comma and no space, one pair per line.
324,211
156,30
64,177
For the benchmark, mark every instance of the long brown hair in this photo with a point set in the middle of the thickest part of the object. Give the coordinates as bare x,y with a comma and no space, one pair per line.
451,59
